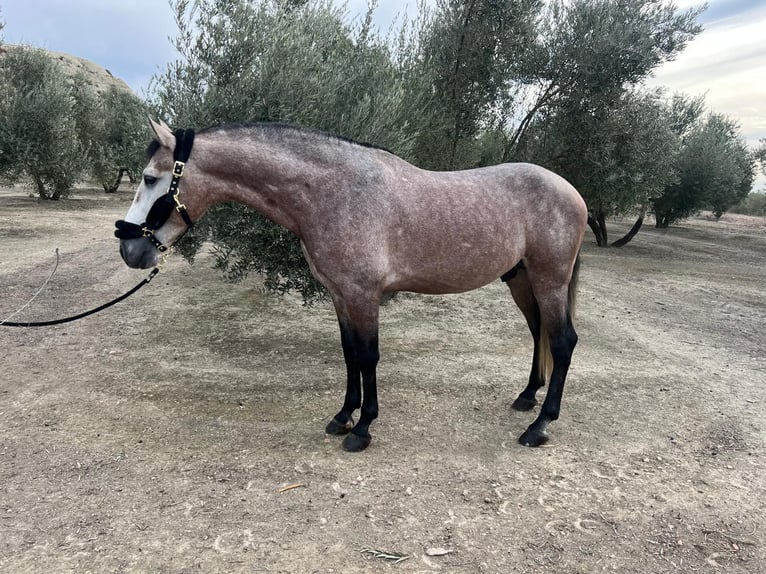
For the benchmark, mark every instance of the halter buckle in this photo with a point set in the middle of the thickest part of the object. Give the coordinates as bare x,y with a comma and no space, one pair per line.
179,206
178,168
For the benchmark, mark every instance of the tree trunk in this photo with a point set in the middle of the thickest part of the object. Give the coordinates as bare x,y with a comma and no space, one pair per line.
41,189
510,143
633,230
596,228
114,186
601,219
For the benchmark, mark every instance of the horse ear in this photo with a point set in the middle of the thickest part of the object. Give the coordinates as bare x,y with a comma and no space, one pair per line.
164,134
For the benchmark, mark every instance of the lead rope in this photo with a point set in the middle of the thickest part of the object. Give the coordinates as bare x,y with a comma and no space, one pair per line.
145,281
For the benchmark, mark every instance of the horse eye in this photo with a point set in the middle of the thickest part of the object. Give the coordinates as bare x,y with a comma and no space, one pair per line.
150,180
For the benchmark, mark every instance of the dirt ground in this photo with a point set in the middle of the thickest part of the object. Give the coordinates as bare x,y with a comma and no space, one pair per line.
182,430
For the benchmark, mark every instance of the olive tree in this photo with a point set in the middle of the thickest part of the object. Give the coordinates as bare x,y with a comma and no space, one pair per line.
715,170
759,155
469,82
38,134
118,141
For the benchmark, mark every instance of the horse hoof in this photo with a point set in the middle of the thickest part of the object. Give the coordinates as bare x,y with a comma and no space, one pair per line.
533,438
523,405
355,443
338,428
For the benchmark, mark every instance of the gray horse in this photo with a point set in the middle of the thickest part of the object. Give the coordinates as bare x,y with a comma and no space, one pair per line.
371,223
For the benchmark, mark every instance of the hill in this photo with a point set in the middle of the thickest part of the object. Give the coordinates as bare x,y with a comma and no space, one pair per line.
99,77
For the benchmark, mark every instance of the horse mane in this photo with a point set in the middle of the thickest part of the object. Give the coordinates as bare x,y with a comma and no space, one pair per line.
287,129
279,129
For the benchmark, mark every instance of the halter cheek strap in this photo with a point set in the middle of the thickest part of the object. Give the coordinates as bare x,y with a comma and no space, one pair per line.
163,207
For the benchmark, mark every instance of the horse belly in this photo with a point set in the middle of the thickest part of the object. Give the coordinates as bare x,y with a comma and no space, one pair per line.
454,263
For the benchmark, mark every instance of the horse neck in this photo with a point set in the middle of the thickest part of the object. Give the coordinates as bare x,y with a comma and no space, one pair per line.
264,174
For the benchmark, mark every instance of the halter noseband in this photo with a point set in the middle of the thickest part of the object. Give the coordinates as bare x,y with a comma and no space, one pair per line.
163,207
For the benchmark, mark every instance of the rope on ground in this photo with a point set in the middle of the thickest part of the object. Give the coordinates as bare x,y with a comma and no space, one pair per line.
28,303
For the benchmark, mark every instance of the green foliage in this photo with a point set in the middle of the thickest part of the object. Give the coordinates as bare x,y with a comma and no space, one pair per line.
753,204
278,258
588,52
759,155
470,54
38,134
118,135
57,128
289,62
685,113
715,170
587,120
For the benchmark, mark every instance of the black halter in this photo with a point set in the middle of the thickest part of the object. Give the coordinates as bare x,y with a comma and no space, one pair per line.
163,207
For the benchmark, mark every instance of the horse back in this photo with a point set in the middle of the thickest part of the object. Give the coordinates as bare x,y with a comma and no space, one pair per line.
455,231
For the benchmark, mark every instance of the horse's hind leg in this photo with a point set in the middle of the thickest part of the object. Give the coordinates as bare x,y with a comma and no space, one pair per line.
518,282
556,320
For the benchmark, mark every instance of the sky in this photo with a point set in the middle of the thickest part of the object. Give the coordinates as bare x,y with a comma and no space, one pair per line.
132,39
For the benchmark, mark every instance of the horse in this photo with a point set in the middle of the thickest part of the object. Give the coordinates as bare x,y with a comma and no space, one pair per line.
370,223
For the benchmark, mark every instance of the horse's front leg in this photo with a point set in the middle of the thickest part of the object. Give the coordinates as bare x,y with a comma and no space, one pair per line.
359,338
343,422
367,355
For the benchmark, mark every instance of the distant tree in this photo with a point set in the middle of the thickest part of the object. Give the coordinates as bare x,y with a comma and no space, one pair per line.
38,132
686,113
759,155
715,170
681,113
118,142
83,106
753,204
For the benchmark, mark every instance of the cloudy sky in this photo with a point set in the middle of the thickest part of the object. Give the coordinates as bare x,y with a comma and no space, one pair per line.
727,62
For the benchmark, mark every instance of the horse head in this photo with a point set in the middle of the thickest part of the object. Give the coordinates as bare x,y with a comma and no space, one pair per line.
157,218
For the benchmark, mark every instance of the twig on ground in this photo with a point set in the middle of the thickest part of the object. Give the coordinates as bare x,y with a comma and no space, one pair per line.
291,487
394,557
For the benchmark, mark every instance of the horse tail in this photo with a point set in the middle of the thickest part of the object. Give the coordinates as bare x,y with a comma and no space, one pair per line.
544,356
572,295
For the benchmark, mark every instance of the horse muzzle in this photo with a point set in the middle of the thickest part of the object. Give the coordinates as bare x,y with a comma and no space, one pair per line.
139,253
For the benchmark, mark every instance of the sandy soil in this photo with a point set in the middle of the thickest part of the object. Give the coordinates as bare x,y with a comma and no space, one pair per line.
182,430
